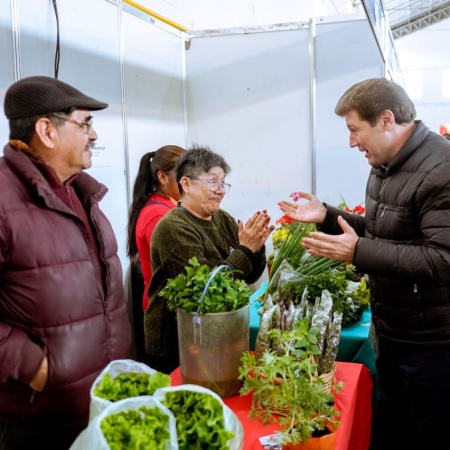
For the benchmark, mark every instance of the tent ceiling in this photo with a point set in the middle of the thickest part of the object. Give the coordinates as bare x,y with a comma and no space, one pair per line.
408,16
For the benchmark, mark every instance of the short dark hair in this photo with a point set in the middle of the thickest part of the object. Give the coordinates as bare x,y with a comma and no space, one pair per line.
371,97
199,159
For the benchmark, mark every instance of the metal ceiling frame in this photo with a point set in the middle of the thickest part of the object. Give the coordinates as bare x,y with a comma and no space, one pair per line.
421,20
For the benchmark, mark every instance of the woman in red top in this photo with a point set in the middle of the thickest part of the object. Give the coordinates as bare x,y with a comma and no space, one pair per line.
155,192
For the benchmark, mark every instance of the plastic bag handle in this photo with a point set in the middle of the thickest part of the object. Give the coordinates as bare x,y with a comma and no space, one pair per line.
214,273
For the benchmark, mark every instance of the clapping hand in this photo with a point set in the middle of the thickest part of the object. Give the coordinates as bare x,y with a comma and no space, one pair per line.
254,233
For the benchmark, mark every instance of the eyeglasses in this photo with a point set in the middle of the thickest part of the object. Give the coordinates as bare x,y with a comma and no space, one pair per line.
80,123
213,184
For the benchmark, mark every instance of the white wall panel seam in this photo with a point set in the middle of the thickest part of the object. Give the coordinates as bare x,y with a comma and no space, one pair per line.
16,39
124,109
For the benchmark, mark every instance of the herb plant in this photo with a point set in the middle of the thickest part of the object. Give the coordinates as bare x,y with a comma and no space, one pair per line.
225,292
348,301
285,385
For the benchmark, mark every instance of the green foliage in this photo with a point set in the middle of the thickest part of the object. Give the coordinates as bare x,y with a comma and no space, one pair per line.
130,384
362,293
285,385
291,246
334,281
137,429
225,292
350,302
199,419
292,250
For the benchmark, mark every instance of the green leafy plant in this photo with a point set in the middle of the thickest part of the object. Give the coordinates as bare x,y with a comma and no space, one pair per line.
199,419
291,249
225,292
350,298
137,429
287,244
130,384
285,385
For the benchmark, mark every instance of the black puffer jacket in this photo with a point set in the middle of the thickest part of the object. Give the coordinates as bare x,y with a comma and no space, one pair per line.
406,248
52,301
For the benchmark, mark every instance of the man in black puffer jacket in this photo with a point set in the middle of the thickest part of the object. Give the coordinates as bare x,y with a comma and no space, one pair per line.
403,244
62,310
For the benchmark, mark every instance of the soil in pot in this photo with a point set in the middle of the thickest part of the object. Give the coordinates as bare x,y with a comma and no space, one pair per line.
318,441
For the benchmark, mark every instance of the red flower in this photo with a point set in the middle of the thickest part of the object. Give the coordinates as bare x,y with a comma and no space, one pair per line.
285,219
356,210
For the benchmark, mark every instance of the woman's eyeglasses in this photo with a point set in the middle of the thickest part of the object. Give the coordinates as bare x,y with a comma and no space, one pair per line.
213,184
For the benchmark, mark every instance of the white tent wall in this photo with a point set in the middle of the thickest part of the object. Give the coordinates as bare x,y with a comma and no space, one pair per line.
264,98
426,68
153,86
251,103
341,171
218,14
8,66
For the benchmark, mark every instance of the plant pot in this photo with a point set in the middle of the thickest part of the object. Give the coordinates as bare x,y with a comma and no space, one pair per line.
211,350
325,442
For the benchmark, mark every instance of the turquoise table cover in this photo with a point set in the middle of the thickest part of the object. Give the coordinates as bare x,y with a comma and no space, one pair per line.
354,346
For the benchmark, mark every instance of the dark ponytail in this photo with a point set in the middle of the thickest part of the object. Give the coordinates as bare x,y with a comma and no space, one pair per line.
146,182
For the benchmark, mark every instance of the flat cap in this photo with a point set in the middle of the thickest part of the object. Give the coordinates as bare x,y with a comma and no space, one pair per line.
36,95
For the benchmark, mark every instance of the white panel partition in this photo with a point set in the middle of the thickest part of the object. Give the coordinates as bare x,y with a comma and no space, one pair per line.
154,88
248,98
8,66
346,52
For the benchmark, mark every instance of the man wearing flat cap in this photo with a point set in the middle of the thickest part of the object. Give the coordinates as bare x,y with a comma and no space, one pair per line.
62,311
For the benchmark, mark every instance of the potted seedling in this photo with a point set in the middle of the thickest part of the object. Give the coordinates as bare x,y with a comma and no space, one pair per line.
212,308
287,389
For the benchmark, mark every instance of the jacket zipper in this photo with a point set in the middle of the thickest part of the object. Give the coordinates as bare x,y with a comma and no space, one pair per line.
416,292
379,195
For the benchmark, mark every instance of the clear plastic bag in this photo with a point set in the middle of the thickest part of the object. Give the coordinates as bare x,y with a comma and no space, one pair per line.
92,437
114,368
232,423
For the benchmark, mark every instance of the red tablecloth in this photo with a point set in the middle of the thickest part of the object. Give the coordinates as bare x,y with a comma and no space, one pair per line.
354,402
